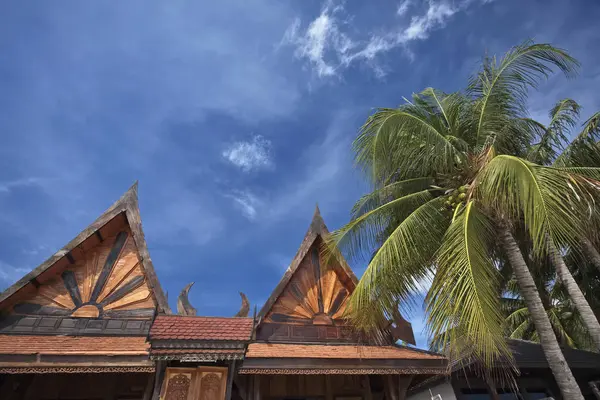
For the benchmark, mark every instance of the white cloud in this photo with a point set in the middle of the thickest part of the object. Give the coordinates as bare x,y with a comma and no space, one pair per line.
246,202
403,7
329,49
250,155
321,35
420,26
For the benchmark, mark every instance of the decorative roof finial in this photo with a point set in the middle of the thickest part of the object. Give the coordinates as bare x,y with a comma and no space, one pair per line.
245,306
184,307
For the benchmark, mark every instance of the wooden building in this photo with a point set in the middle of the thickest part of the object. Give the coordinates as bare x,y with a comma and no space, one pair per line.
304,349
76,327
92,323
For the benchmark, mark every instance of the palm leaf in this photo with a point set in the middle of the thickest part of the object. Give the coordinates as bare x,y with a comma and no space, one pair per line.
501,89
465,289
403,258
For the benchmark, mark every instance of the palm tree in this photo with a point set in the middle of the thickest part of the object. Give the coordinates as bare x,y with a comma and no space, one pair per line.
554,147
567,324
449,171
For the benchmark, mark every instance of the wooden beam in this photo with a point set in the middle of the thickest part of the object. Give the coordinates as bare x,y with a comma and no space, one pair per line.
111,259
230,373
161,367
99,236
70,258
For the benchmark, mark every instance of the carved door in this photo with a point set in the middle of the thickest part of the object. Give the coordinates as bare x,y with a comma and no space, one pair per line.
202,383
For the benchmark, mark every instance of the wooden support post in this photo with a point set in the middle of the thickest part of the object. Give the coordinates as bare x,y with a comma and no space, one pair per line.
149,387
230,373
240,382
390,388
366,386
256,388
403,384
595,390
161,367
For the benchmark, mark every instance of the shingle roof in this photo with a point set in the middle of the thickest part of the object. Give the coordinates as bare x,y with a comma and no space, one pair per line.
73,345
177,327
271,350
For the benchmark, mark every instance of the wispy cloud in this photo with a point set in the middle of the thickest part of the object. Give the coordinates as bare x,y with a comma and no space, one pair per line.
250,155
403,7
246,202
6,187
329,49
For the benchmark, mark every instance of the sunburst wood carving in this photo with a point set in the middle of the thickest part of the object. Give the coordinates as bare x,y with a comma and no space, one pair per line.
107,281
316,293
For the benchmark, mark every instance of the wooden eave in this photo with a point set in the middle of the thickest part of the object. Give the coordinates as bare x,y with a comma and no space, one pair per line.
126,205
317,228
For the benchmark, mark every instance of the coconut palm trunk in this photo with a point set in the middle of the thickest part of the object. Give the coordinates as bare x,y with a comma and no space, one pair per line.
575,293
556,360
591,253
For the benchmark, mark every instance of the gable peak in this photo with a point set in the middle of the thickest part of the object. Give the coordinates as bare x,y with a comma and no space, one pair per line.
317,225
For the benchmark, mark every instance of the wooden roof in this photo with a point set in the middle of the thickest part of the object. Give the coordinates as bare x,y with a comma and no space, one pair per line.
70,297
342,351
317,230
346,359
178,327
73,345
309,303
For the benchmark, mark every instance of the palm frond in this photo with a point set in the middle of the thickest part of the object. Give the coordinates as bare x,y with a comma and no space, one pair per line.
501,88
563,117
466,286
550,201
379,197
364,232
583,150
409,141
404,257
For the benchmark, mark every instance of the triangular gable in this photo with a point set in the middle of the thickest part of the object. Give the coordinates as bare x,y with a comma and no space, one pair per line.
105,272
311,292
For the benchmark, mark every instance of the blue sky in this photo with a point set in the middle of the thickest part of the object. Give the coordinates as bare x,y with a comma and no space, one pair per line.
236,117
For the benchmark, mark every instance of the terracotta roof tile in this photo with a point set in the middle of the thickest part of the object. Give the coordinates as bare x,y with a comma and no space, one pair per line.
270,350
177,327
86,345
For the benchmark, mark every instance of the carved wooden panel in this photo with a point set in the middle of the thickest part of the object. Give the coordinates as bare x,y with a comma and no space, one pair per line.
106,281
316,294
202,383
177,384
